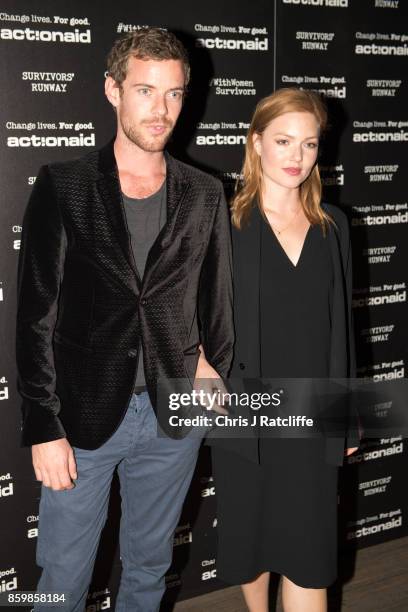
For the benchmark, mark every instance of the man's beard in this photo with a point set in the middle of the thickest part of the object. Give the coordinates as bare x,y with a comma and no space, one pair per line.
152,144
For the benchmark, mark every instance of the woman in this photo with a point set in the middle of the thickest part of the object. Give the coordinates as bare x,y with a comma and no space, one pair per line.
277,503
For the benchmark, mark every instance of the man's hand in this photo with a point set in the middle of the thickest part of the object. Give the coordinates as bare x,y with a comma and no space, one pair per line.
54,464
350,451
204,369
208,380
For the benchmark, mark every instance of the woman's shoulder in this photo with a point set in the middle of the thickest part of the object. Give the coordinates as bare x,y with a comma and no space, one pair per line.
249,226
338,216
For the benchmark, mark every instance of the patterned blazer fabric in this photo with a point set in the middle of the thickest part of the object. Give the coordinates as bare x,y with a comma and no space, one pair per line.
83,310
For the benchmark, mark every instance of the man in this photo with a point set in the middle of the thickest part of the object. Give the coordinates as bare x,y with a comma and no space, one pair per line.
124,271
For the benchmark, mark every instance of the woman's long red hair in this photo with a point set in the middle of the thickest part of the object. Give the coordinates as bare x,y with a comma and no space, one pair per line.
248,190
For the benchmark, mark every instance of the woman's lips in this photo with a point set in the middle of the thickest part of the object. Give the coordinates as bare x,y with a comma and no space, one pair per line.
292,171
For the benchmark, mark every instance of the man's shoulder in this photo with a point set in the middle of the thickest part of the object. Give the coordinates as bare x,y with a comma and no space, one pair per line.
84,166
195,175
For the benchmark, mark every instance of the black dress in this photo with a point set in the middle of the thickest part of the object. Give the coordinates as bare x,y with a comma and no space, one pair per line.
281,515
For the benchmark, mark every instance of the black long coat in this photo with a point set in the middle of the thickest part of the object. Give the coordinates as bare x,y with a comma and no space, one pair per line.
83,311
246,362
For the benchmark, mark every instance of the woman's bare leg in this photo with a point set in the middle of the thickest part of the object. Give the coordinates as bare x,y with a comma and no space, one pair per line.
299,599
256,593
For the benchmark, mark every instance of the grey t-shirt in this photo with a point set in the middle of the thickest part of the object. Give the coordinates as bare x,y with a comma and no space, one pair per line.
145,218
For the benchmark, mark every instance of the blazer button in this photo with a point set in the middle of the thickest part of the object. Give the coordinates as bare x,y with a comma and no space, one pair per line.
143,301
241,366
132,353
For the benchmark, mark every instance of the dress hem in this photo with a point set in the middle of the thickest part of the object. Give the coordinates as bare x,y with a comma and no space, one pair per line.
235,581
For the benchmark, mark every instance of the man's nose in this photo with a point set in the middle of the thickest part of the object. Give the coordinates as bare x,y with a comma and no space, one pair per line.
160,105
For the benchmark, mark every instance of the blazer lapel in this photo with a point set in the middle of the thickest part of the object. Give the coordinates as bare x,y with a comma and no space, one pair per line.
111,196
177,187
247,262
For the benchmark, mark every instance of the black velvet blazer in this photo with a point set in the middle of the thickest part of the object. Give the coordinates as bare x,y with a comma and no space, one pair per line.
83,311
246,361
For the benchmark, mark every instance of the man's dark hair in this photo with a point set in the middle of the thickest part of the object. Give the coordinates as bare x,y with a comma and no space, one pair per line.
145,44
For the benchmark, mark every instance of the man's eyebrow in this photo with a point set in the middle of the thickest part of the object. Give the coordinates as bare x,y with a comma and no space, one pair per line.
180,88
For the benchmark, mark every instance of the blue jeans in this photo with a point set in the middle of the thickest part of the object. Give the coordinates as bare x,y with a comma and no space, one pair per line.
155,474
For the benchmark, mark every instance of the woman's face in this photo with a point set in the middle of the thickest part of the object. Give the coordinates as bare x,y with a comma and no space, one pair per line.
288,148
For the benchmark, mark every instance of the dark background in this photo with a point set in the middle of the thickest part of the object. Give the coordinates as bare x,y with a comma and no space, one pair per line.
357,177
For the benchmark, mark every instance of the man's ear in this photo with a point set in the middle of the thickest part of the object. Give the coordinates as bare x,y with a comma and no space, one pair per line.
112,91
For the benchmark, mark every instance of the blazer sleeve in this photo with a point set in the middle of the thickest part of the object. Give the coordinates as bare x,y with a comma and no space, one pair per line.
215,293
353,430
40,271
348,272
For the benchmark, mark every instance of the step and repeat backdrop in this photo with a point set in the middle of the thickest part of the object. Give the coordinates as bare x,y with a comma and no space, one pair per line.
355,52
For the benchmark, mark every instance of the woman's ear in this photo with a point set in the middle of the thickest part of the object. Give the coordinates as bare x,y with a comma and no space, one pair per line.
256,139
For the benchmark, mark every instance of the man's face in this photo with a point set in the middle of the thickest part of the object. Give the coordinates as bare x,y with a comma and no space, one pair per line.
150,101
